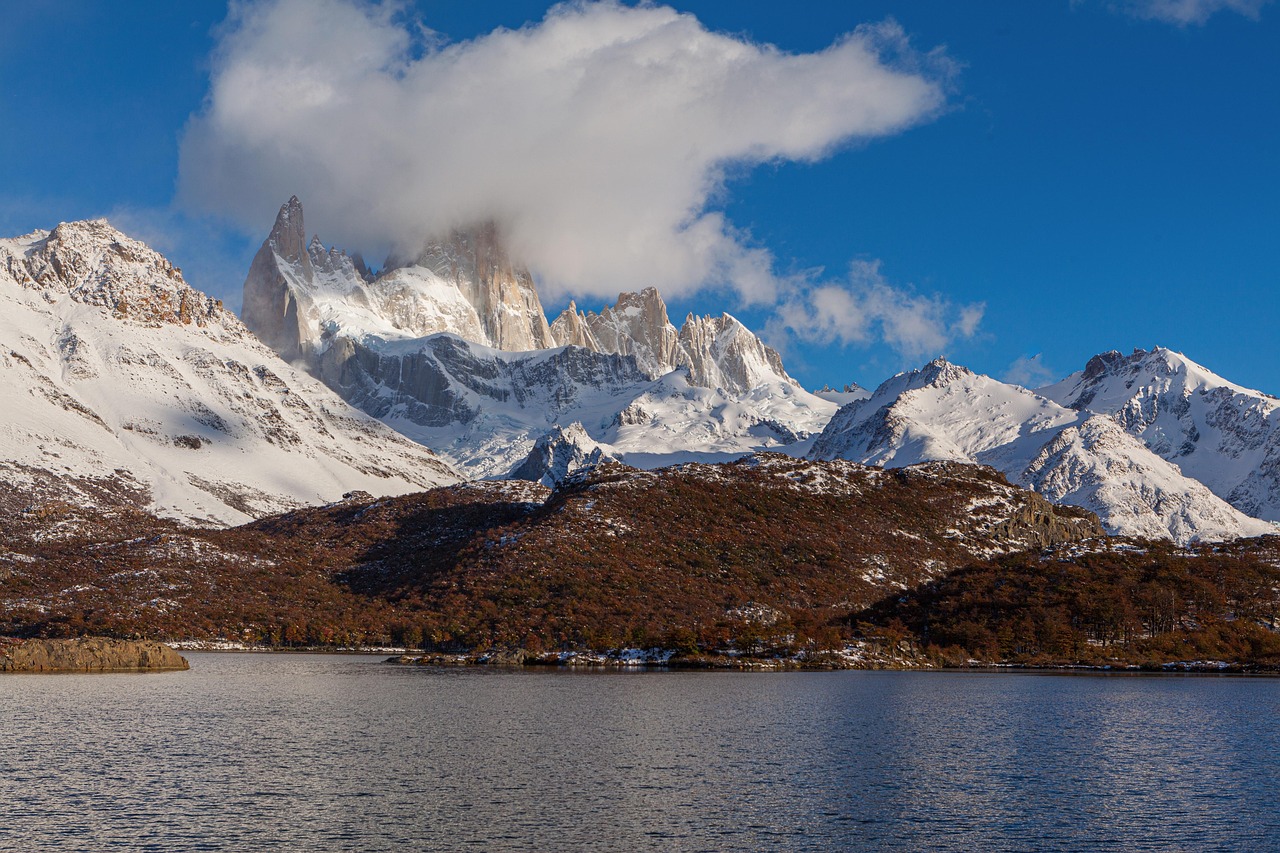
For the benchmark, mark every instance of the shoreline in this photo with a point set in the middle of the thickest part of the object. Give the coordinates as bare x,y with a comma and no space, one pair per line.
851,658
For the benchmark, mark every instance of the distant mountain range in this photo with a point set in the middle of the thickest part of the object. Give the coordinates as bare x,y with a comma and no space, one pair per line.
132,388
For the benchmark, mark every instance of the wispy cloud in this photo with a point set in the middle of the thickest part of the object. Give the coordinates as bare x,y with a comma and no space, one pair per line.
866,309
598,138
1184,13
1029,372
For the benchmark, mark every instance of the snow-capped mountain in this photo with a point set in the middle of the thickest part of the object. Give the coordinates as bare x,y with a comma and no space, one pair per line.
477,374
483,409
1224,435
946,412
124,385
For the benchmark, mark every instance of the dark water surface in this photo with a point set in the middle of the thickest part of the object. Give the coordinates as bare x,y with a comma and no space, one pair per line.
312,752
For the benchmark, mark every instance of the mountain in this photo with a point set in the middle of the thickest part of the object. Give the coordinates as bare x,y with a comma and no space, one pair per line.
127,387
454,352
851,393
1224,435
947,412
483,409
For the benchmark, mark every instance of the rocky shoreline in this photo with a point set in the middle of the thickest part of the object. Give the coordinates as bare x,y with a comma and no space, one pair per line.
88,654
850,657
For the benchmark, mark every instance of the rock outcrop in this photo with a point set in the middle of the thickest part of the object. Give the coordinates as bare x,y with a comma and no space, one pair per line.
715,352
475,261
559,453
88,654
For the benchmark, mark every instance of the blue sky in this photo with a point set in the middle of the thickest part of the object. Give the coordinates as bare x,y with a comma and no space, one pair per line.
1100,175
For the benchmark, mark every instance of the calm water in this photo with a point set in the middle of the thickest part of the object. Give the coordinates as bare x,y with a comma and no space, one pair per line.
258,752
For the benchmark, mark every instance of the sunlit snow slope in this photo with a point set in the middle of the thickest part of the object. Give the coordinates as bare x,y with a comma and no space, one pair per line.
1224,435
121,383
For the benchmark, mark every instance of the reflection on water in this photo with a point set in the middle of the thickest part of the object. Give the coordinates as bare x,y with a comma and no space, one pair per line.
256,752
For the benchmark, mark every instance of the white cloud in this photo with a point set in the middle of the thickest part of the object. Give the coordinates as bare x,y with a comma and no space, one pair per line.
1186,12
596,138
1029,372
868,310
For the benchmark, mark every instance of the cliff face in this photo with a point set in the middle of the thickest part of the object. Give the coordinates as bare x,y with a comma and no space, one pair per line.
270,306
90,654
502,293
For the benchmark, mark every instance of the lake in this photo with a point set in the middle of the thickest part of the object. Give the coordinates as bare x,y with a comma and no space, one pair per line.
329,752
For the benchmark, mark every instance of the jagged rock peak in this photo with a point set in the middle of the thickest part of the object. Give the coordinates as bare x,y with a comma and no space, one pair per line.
942,372
270,305
288,237
716,352
720,352
638,325
571,329
559,453
849,388
93,263
1102,363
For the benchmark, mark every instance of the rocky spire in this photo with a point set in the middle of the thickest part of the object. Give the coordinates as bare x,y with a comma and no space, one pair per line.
638,325
270,309
720,352
570,328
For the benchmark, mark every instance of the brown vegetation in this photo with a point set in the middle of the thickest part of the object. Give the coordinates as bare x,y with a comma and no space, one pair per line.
769,553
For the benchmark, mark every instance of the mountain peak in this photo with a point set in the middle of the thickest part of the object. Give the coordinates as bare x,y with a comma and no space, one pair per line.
1102,363
942,372
95,264
288,236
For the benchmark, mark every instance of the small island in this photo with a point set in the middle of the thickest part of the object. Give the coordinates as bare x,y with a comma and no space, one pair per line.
88,654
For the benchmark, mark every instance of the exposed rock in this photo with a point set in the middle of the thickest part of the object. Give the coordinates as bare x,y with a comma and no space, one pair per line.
270,305
476,262
720,352
637,325
571,329
559,453
88,654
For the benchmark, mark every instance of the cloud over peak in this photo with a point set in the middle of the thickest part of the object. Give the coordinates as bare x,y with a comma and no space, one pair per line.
868,308
597,137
